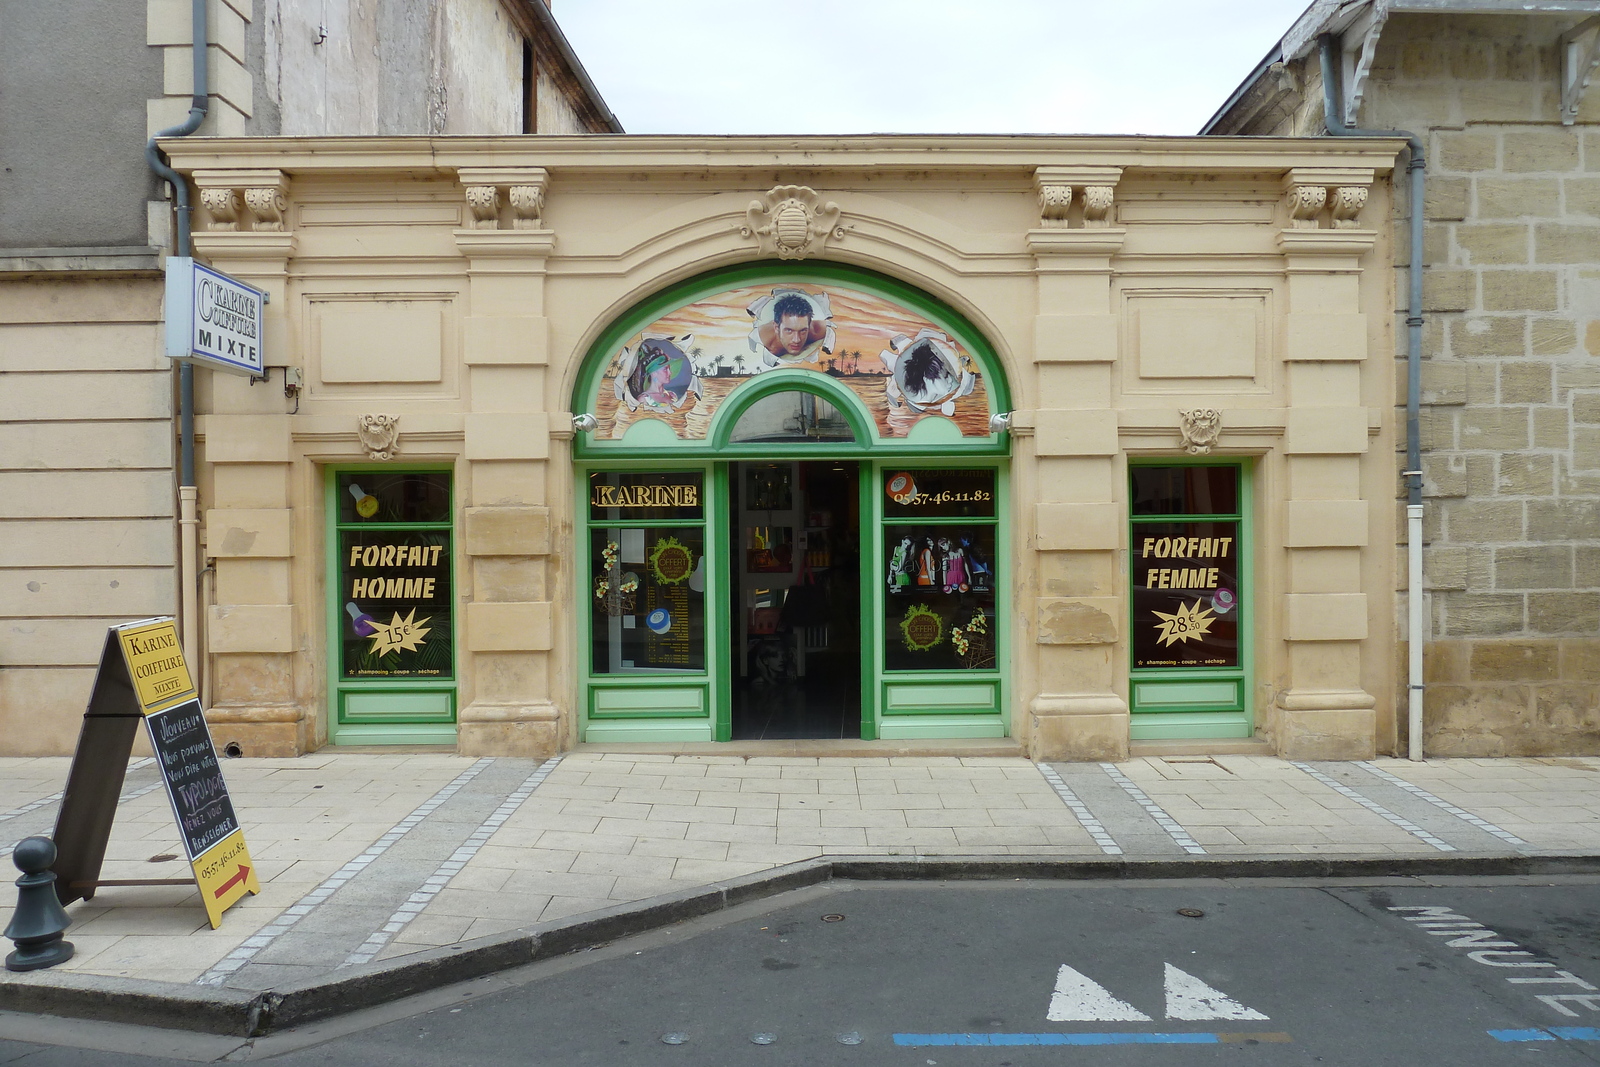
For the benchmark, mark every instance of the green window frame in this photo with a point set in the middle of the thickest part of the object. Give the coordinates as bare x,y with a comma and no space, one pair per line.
651,703
1194,701
387,711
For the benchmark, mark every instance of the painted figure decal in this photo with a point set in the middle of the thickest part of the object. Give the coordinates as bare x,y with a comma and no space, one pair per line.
792,326
926,373
679,368
656,375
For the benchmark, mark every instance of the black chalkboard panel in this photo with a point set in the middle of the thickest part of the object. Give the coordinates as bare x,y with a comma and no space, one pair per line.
194,782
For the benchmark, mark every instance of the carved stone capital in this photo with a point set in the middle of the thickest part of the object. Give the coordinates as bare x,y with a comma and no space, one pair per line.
1305,204
1200,428
242,200
267,205
1348,200
1097,206
527,207
524,187
222,205
1054,203
379,435
484,200
1057,185
792,222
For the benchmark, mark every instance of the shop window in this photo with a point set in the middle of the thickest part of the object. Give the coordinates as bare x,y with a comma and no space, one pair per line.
1186,572
940,570
394,571
647,579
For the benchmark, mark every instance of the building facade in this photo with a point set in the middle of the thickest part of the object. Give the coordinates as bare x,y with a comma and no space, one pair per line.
88,513
1079,442
1510,430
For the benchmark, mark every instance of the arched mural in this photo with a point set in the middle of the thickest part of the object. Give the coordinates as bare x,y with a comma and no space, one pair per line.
680,365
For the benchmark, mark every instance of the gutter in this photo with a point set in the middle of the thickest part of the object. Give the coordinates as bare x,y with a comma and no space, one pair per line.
1416,173
1274,55
547,23
188,492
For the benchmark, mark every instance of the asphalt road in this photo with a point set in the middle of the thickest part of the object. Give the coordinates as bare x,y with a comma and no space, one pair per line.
1001,975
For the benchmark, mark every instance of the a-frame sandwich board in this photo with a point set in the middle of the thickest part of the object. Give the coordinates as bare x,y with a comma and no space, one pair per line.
143,676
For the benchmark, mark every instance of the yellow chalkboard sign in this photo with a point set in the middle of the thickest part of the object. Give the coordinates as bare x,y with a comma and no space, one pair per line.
143,676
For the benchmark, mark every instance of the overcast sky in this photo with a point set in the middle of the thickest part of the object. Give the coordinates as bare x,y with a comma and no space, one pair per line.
920,66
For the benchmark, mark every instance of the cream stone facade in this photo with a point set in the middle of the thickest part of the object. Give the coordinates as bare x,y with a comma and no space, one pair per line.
1145,300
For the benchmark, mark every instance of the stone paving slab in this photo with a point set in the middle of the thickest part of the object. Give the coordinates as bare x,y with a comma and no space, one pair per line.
391,855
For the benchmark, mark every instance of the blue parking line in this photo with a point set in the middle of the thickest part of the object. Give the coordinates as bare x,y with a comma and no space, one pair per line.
1576,1033
1521,1035
1555,1033
992,1040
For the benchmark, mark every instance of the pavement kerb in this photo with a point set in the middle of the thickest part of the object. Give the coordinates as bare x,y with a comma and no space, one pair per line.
246,1013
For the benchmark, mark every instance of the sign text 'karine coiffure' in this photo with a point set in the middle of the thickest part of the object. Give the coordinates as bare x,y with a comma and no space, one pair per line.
213,319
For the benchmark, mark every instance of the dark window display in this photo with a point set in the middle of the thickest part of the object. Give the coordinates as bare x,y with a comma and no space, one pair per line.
647,599
623,497
1185,490
395,591
1186,594
941,593
373,497
939,494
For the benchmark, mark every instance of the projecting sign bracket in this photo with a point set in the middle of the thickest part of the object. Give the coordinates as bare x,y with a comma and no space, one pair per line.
1580,52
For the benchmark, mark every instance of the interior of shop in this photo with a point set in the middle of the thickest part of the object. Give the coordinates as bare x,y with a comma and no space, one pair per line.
796,600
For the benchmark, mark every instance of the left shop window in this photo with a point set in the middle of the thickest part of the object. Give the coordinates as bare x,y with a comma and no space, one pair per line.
647,578
395,569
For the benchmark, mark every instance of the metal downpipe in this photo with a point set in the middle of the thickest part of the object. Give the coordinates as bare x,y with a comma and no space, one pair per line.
188,493
1416,172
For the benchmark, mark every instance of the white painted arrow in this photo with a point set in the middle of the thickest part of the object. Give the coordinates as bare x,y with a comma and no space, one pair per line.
1079,999
1191,999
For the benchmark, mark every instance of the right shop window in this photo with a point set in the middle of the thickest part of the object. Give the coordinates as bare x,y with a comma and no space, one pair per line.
940,570
1185,549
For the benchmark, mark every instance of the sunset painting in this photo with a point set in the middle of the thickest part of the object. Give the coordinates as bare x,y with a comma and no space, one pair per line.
680,367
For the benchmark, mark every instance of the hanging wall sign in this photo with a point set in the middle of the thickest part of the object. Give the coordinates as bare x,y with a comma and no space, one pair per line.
213,319
1185,594
143,675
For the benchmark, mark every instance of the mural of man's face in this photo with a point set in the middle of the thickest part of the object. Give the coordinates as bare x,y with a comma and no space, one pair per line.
794,333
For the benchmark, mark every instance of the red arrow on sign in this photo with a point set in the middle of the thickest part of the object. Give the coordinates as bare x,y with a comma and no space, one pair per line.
231,882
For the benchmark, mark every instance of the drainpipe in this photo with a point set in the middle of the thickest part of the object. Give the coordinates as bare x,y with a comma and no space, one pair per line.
1416,173
188,492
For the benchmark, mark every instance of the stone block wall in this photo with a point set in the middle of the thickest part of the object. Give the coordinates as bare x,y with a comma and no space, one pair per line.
1510,428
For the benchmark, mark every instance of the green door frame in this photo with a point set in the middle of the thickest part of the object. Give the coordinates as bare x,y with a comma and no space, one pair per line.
1215,702
686,706
698,706
341,689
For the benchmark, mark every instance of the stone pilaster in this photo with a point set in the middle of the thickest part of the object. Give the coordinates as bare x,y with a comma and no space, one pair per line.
256,640
1322,710
512,630
1066,461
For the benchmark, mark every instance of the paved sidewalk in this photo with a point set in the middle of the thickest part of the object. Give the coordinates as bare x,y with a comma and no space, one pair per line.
368,857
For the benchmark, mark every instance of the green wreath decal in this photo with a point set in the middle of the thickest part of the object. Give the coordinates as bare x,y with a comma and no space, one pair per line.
921,627
671,561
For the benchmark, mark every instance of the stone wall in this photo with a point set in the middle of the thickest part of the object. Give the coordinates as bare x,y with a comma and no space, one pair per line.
87,534
1511,374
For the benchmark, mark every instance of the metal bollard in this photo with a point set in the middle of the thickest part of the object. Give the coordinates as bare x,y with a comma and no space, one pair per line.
37,924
